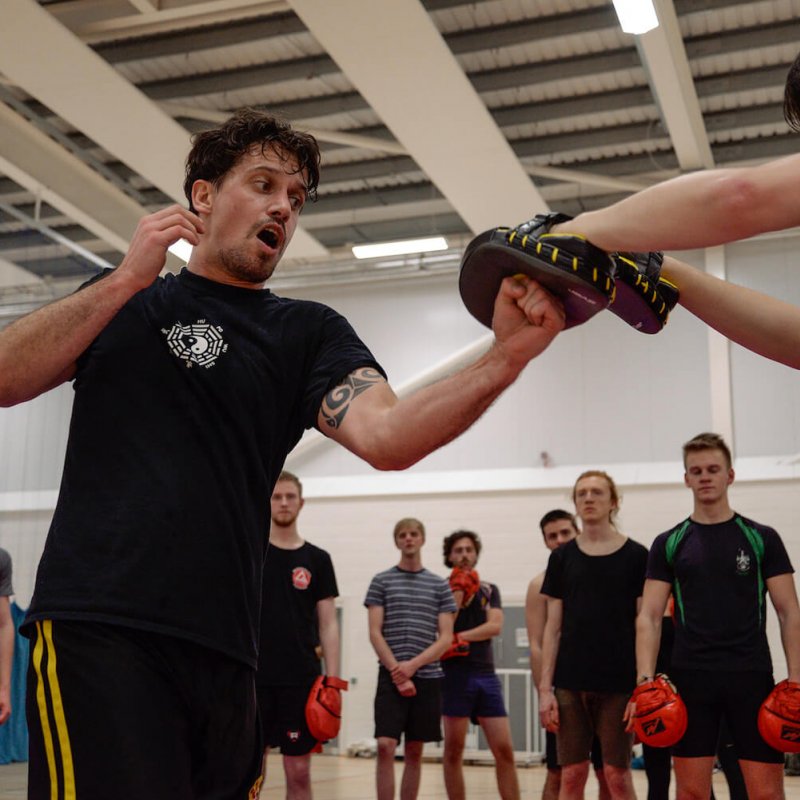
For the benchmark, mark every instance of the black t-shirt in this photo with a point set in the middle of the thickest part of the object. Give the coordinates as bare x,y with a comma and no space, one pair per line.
480,657
599,593
720,600
294,582
185,407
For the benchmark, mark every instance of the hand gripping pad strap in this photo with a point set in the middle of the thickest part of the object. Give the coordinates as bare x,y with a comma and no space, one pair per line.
643,299
324,707
779,718
660,718
570,267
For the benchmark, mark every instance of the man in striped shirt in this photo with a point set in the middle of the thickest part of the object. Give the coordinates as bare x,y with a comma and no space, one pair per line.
411,614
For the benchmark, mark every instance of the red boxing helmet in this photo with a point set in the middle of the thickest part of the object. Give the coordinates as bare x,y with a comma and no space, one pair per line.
660,718
779,718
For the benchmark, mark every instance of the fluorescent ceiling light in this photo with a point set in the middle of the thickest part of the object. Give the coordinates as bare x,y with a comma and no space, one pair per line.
400,248
636,16
182,249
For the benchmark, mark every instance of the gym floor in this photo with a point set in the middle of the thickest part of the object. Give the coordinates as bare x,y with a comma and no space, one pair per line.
342,778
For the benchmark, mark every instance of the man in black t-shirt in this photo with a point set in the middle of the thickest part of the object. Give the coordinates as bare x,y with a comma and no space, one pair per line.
593,585
558,527
190,390
471,689
297,610
720,567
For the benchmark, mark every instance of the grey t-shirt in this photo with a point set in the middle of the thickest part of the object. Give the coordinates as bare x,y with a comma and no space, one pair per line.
412,602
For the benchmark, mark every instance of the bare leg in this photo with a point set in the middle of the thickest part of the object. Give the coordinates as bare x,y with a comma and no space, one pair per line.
384,773
552,784
763,781
498,735
573,781
298,777
693,777
620,782
455,733
602,785
412,770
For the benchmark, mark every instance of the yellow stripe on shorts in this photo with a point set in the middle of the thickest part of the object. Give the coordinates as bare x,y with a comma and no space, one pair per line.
44,641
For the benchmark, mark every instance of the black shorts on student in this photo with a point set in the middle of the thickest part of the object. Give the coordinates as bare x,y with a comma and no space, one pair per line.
417,718
118,712
282,710
736,696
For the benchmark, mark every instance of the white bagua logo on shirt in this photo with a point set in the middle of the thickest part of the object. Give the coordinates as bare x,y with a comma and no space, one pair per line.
199,344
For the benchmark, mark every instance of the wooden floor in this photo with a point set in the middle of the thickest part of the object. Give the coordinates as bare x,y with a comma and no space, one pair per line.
342,778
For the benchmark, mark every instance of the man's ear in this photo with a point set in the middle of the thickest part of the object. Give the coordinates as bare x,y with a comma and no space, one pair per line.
203,196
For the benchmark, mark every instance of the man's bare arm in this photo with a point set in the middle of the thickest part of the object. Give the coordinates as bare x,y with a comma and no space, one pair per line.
701,209
535,618
763,324
376,638
329,634
648,625
365,415
783,595
548,706
39,351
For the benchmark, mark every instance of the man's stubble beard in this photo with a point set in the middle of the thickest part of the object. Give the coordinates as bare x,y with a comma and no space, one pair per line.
279,523
251,269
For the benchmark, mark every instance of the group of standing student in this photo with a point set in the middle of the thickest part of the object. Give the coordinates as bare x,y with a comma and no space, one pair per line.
595,621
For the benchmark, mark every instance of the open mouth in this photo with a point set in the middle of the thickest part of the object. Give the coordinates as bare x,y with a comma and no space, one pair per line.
269,237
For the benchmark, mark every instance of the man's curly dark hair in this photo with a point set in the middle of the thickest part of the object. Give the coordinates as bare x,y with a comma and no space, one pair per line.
217,151
791,96
450,540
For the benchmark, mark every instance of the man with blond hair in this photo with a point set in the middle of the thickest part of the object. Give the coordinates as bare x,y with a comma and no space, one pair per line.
410,626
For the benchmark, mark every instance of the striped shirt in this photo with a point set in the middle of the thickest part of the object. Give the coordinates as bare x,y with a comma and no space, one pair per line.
412,602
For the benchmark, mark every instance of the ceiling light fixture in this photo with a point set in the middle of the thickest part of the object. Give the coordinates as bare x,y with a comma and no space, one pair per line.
400,248
636,16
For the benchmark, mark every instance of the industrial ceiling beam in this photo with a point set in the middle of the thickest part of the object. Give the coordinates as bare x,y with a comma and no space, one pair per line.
398,61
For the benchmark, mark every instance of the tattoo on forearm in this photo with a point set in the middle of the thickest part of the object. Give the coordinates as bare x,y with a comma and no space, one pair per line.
337,402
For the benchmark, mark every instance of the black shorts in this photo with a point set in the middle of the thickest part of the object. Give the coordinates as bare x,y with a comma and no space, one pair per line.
282,710
550,750
117,712
711,696
418,717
